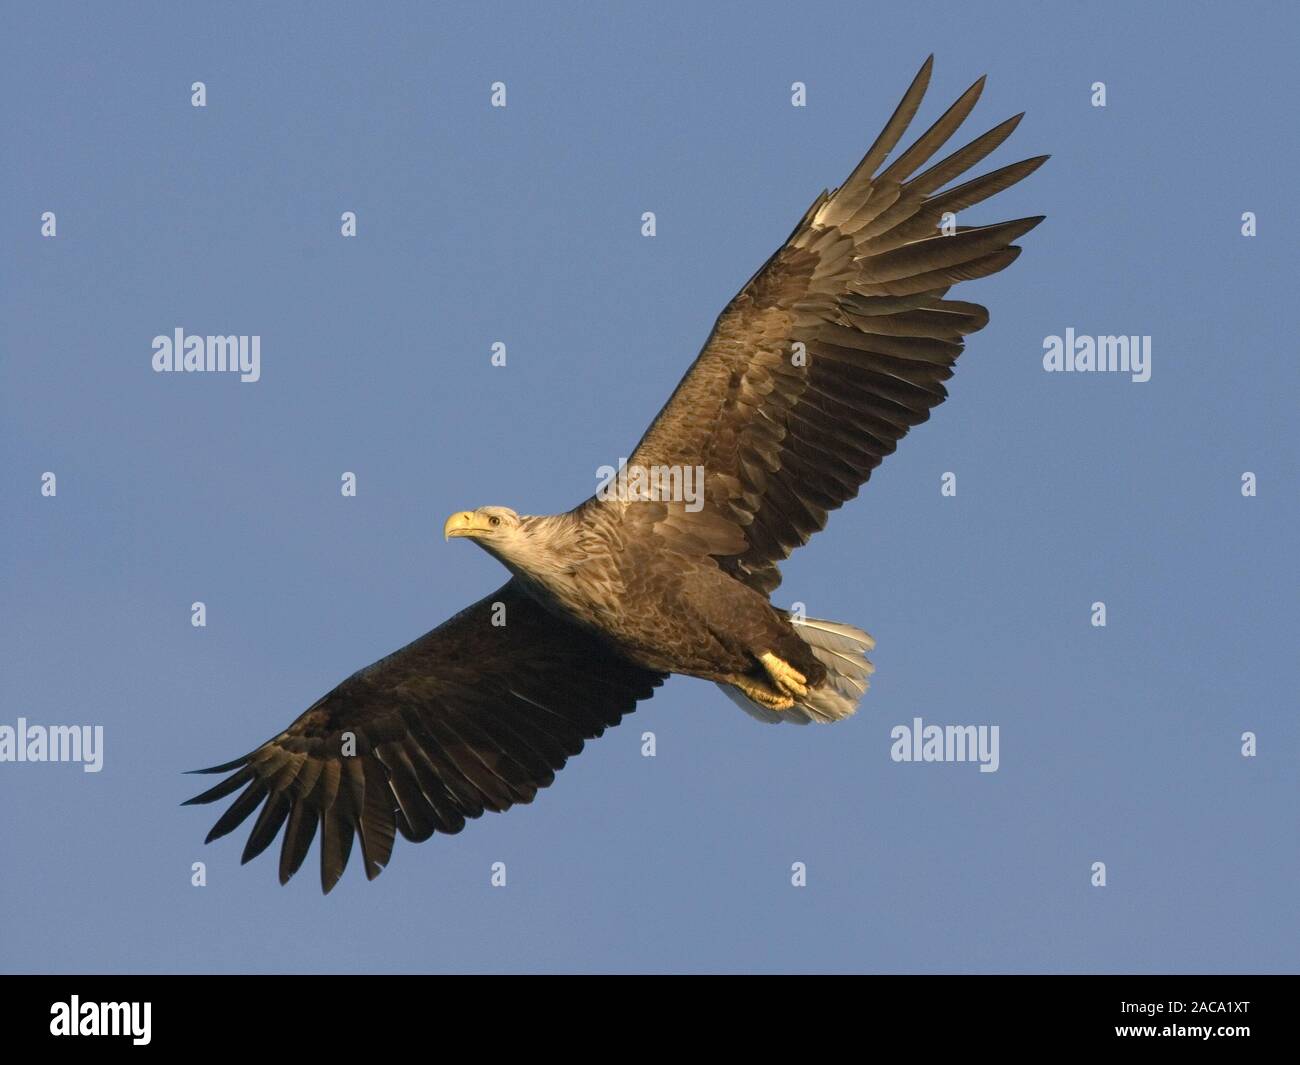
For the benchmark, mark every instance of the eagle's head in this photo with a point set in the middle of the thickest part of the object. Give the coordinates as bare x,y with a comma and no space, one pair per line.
490,527
528,545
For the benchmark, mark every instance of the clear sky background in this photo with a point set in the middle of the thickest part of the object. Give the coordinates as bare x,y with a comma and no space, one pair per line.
522,225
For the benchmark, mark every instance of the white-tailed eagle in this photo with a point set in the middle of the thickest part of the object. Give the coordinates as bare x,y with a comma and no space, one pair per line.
812,374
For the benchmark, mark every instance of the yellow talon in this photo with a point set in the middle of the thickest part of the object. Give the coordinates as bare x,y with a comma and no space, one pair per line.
785,678
763,695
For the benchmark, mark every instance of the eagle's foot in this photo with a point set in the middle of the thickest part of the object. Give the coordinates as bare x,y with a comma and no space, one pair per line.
762,694
785,678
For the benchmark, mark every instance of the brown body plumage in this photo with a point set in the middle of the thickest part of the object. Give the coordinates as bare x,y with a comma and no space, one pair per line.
834,349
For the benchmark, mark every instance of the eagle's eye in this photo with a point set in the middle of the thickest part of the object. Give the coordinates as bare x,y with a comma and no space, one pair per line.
494,520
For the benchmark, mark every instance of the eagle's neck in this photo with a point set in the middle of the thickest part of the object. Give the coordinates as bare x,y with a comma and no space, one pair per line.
547,555
561,563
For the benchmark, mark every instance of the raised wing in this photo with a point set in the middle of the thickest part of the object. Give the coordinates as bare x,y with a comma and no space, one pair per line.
835,348
475,715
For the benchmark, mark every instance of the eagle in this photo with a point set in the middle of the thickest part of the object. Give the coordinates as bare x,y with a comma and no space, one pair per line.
823,361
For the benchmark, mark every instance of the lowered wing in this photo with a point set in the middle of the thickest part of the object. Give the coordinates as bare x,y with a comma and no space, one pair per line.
475,715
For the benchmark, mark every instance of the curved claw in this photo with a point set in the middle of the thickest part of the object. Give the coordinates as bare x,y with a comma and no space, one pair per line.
785,678
762,694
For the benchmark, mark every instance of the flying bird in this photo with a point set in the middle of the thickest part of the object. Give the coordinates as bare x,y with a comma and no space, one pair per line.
825,359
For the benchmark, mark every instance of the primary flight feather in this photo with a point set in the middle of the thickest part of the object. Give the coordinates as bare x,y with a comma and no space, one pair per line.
825,359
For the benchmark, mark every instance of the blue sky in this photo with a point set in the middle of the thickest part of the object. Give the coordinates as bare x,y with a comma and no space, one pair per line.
1119,744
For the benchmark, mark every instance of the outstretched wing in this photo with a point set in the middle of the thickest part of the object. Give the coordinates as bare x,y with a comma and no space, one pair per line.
835,348
475,715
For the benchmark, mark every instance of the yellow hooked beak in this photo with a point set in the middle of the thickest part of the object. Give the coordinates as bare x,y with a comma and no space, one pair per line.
462,523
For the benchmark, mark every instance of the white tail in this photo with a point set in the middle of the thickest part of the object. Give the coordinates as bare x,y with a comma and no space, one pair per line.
842,649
